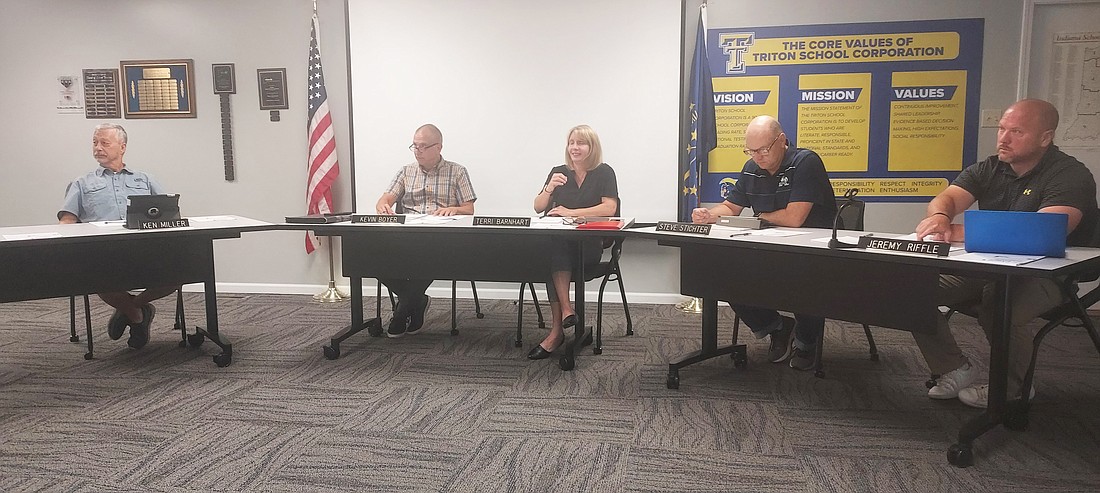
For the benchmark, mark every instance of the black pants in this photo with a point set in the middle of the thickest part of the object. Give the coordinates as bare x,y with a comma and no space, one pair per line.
410,292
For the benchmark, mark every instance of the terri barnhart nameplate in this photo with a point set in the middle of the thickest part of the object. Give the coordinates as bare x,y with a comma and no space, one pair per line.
174,223
378,218
523,222
937,248
690,228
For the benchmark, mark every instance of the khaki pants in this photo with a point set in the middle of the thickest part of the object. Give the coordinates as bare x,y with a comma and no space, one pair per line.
1031,297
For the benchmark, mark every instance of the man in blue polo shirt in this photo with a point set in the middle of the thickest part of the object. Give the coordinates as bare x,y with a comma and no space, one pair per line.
101,196
786,186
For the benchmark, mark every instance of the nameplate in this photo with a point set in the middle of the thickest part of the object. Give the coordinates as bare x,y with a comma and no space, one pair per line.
690,228
174,223
937,248
378,218
523,222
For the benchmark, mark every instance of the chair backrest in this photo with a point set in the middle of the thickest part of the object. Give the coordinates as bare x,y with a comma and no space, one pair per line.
851,218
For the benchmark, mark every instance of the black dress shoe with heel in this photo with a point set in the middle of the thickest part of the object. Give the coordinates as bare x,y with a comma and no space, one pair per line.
569,321
539,352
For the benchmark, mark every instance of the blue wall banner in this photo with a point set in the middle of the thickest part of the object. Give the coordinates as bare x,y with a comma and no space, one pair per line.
891,107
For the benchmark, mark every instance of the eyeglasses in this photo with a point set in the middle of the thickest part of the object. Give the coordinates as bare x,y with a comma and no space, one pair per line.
418,148
574,221
763,151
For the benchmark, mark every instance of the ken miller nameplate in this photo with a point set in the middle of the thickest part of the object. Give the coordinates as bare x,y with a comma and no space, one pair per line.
937,248
690,228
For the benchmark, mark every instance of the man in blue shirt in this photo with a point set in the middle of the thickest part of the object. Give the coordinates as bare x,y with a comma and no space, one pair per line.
786,186
101,196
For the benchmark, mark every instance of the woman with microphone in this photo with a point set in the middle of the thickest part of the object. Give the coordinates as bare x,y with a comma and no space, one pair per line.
583,186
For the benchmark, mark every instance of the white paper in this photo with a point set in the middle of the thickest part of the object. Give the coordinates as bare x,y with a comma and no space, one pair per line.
778,233
998,258
104,224
203,219
32,236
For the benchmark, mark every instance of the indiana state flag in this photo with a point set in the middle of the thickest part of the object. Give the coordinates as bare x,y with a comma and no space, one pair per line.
702,137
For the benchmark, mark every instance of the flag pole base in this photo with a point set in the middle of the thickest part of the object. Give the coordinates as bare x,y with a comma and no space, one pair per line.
691,305
331,295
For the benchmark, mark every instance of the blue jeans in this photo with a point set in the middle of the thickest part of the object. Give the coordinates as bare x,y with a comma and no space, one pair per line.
763,321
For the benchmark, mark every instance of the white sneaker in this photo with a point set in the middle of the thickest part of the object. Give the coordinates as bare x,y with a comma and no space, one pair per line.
949,385
978,396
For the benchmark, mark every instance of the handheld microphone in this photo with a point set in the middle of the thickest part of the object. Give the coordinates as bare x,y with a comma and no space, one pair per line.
851,196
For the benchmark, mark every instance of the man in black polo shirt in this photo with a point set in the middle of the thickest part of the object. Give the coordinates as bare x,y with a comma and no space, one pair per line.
786,186
1028,173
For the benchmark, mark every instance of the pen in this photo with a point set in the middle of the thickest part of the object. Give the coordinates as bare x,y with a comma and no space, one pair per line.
740,234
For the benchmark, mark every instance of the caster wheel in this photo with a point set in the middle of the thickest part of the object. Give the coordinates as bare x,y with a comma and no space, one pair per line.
1016,420
223,360
331,352
673,381
874,357
519,343
480,315
597,350
740,363
74,338
88,356
819,374
960,456
542,325
196,339
454,332
375,330
566,363
629,332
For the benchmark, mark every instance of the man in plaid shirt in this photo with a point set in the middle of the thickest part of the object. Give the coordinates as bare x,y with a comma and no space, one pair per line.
431,185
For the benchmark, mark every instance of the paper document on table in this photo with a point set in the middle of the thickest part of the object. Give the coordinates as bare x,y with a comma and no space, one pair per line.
32,236
999,258
106,224
846,239
550,222
435,220
204,219
778,233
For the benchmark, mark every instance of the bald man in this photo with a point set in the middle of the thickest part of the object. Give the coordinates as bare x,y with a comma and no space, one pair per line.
786,186
1029,173
431,185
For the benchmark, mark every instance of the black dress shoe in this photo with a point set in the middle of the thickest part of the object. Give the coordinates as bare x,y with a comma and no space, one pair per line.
538,352
569,321
116,326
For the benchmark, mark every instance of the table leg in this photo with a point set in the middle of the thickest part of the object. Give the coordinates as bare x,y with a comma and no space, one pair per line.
582,335
373,326
709,348
212,331
961,454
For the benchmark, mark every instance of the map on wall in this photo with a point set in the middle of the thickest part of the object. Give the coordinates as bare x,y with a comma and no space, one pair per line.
1075,88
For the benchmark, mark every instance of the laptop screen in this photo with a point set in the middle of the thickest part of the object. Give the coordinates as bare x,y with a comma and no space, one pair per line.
141,208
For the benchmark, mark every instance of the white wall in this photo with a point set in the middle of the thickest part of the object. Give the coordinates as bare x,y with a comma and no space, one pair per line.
504,80
45,150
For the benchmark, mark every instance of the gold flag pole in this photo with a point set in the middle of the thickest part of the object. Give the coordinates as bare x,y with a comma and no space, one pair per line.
332,294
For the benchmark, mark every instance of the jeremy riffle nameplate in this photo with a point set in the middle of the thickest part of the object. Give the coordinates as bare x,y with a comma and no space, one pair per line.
937,248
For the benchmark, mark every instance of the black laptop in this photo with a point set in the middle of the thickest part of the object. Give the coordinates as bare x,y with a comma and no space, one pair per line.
144,208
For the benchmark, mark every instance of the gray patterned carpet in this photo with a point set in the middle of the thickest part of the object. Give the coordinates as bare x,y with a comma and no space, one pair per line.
432,412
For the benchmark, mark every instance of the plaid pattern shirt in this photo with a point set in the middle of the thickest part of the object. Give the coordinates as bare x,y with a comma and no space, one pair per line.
422,192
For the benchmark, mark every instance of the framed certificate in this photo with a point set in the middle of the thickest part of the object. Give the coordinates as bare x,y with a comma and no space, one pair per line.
272,83
158,88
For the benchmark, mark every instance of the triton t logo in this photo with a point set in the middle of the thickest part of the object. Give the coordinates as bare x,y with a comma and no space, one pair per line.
734,46
784,181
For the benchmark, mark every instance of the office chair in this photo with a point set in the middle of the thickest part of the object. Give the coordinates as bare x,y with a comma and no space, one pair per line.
1071,313
399,209
609,270
194,340
851,218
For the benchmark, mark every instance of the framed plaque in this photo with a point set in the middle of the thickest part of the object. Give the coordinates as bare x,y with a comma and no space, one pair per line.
101,93
225,82
272,83
158,88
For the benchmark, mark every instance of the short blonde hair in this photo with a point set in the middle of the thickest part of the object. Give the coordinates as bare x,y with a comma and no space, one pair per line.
586,134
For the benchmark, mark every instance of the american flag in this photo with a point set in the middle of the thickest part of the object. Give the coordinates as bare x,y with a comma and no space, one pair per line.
323,166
